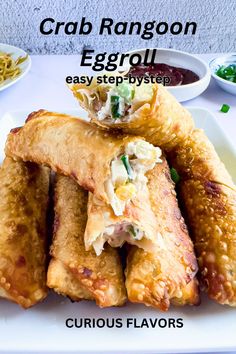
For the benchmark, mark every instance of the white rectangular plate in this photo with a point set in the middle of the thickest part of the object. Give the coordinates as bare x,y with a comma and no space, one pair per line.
209,327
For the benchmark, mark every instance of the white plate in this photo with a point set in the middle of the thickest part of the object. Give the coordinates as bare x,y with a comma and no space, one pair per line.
15,53
209,327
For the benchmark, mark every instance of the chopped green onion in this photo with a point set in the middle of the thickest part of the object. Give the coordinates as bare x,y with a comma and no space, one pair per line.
132,94
125,160
115,105
227,72
225,108
174,175
126,91
132,231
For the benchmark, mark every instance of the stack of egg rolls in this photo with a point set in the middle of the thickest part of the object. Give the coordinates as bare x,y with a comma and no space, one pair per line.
208,195
155,115
73,271
207,192
24,197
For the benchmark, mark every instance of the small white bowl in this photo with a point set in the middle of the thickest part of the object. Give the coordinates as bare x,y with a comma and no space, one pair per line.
182,60
215,64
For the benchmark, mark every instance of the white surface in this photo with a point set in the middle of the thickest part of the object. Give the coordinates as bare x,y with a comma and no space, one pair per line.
15,54
187,61
44,87
214,66
42,328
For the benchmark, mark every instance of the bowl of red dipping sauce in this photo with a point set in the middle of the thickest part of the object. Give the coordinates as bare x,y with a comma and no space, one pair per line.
188,75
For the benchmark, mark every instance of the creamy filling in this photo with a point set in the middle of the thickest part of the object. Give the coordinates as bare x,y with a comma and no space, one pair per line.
119,100
128,173
116,235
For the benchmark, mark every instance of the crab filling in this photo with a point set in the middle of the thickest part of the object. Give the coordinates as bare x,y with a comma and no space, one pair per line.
128,173
116,235
115,102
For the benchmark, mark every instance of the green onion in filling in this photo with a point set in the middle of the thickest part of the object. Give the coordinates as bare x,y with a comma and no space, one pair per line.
132,231
125,160
115,105
174,175
126,91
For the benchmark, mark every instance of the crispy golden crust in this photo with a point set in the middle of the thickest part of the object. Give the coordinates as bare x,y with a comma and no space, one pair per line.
63,281
167,274
24,196
69,146
101,276
163,121
209,200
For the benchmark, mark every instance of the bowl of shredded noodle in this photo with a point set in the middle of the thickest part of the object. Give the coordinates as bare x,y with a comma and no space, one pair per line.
14,65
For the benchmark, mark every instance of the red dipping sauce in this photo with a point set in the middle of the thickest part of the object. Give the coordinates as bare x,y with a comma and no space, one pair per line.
178,76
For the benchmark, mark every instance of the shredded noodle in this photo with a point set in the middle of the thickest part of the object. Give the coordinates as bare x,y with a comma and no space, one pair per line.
9,68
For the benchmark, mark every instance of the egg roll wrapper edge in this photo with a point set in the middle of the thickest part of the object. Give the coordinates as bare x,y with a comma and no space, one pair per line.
208,196
24,197
97,277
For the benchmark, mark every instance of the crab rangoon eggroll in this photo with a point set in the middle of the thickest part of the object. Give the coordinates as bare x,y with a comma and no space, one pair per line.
147,110
23,204
100,162
208,195
73,271
167,271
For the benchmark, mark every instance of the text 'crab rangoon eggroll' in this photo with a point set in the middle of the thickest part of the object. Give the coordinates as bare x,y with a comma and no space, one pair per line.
147,110
24,197
208,195
73,271
166,272
100,162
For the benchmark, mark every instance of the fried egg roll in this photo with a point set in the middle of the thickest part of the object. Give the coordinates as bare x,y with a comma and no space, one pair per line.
73,271
110,166
208,195
147,110
166,272
23,204
137,226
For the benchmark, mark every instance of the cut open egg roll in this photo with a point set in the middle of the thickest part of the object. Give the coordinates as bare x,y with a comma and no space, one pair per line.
73,271
147,110
110,166
137,226
24,197
208,195
167,271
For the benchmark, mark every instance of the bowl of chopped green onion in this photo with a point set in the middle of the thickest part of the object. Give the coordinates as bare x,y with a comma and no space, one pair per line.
223,69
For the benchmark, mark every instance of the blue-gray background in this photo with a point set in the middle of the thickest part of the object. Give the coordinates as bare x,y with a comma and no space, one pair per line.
216,20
